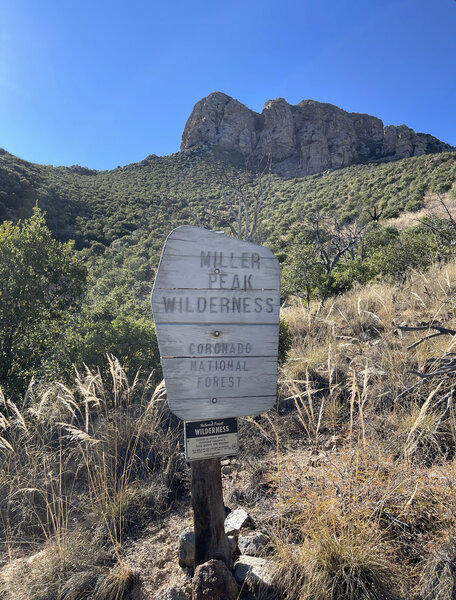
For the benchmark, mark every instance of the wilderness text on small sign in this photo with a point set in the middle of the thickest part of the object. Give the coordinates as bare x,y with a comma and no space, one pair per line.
209,439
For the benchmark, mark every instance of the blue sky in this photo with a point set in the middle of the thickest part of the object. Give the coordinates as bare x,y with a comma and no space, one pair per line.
102,84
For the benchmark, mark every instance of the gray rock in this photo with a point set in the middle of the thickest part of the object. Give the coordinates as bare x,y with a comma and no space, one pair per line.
236,520
402,142
233,544
306,138
251,544
186,548
220,120
213,581
257,574
172,593
279,137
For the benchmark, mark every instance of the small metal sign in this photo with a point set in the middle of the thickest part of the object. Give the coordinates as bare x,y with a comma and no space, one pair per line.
210,439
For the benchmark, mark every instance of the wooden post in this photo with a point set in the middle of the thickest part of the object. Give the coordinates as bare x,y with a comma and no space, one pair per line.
216,304
209,512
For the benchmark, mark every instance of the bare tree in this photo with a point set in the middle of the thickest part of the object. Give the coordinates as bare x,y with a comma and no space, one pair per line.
333,240
245,198
375,213
244,193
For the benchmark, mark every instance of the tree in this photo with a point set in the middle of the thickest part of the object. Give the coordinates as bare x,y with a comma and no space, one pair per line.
333,240
324,245
303,274
246,202
41,284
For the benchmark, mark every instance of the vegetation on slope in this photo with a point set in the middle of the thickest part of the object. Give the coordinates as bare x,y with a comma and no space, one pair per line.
42,283
119,221
103,206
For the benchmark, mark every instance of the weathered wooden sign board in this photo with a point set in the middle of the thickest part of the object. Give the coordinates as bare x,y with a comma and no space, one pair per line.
209,439
216,304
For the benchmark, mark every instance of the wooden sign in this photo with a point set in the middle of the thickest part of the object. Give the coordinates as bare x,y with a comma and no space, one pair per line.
216,304
209,439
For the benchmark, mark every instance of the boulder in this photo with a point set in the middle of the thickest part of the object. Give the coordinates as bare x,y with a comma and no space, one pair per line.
186,547
257,574
213,581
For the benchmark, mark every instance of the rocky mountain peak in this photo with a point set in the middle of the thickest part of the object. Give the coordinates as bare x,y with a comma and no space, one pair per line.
301,139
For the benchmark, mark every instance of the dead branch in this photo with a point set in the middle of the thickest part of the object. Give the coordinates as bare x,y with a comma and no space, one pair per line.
450,216
442,366
440,331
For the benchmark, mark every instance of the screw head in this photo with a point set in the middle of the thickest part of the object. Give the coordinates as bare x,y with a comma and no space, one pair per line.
214,400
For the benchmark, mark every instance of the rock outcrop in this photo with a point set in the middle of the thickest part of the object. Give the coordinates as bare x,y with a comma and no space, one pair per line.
303,139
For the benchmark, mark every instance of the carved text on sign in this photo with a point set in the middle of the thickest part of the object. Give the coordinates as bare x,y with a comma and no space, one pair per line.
216,308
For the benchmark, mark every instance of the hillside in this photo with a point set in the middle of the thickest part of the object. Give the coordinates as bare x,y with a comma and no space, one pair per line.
103,206
119,220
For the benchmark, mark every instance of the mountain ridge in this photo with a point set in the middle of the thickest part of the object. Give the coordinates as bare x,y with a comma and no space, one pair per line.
301,139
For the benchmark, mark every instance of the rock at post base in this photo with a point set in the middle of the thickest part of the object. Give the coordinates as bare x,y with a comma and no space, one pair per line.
256,573
236,520
251,544
233,544
213,581
187,548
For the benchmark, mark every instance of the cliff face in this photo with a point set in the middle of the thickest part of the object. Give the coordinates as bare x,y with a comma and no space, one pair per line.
306,138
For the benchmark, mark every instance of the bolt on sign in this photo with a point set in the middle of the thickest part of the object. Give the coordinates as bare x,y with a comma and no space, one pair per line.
216,302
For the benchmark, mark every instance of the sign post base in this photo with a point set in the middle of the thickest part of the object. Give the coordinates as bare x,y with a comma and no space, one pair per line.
209,512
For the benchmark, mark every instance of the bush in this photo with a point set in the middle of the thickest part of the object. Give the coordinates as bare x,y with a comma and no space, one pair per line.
132,340
284,340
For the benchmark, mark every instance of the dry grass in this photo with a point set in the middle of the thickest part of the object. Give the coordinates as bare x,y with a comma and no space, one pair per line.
432,206
359,523
81,468
368,496
439,572
354,473
349,566
114,586
358,332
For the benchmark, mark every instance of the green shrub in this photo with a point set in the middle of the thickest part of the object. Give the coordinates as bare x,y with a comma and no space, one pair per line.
284,340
